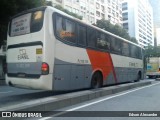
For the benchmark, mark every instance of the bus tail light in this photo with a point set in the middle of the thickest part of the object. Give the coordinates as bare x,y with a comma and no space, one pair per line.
45,69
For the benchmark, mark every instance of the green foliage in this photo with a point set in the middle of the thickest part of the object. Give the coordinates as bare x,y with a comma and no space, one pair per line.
49,3
115,29
104,24
152,51
3,33
68,12
133,39
8,8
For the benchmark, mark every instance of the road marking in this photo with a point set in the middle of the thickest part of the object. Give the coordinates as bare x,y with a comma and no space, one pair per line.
104,99
6,92
45,118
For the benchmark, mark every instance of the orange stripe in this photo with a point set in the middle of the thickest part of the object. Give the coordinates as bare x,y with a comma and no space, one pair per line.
114,72
101,61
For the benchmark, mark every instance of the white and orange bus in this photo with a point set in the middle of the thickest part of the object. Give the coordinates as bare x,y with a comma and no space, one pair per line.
48,49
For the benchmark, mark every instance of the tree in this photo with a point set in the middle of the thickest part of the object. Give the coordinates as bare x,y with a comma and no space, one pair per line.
49,3
8,8
152,51
133,39
115,29
118,30
105,24
68,12
149,52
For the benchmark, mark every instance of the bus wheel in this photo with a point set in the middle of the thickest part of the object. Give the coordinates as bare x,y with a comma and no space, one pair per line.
97,80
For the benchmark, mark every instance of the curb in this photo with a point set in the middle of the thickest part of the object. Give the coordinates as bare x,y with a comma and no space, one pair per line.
61,101
2,82
157,79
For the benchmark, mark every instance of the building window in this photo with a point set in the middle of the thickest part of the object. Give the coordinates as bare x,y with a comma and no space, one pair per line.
102,16
116,7
97,13
125,16
124,4
124,8
125,26
102,7
113,13
102,1
117,15
97,5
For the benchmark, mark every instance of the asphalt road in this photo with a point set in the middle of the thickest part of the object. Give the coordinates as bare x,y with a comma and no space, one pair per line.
146,98
11,95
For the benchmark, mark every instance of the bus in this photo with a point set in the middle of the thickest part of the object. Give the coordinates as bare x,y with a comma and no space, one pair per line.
50,50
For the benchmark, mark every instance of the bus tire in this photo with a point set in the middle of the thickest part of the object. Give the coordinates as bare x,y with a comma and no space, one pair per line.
97,80
150,77
154,77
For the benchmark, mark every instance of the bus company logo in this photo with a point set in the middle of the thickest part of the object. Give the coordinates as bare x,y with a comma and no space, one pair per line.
22,54
6,114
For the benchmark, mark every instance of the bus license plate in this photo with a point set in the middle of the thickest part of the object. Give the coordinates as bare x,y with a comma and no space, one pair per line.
21,75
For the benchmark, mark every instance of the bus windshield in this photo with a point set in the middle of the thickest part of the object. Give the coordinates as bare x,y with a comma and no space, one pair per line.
26,23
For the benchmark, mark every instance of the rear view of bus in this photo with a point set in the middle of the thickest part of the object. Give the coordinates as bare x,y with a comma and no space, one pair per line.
26,61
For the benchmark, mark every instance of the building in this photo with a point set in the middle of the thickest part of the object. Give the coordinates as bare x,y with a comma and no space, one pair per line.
93,10
138,20
156,20
114,11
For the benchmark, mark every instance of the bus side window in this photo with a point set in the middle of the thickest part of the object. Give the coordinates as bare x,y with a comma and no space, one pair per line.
65,29
134,51
82,35
70,32
115,45
139,53
102,41
125,49
91,34
59,27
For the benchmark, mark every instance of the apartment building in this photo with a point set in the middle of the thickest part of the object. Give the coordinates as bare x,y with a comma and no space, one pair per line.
138,20
93,10
114,11
156,20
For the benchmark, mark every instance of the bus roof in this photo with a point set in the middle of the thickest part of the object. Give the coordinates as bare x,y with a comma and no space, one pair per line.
65,14
29,10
